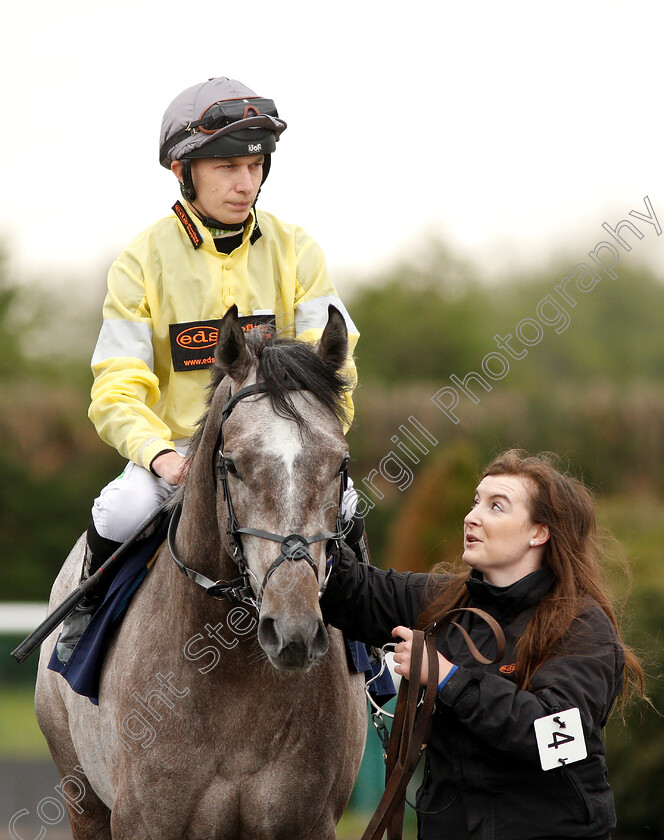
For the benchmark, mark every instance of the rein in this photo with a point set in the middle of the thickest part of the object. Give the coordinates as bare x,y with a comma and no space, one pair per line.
413,717
294,547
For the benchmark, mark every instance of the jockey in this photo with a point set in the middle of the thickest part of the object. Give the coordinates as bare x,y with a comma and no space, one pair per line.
167,292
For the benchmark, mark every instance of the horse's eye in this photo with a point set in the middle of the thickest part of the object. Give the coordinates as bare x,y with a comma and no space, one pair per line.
344,464
229,463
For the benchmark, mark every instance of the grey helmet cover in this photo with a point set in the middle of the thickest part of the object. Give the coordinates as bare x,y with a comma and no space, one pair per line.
252,125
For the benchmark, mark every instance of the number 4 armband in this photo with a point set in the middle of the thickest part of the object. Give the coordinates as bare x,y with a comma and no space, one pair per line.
560,739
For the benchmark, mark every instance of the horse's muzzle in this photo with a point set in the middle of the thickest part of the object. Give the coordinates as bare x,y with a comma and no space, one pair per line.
293,645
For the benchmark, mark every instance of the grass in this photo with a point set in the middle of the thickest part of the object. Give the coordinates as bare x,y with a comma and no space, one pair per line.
20,737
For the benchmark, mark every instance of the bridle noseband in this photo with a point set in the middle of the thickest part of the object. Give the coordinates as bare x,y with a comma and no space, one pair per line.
294,547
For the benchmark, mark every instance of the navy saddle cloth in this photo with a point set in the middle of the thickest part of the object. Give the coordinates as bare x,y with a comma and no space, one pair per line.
83,669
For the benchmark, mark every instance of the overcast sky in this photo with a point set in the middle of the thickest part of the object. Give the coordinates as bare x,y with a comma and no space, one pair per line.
512,130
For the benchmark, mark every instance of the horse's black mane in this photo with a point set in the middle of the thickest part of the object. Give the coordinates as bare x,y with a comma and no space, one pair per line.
285,365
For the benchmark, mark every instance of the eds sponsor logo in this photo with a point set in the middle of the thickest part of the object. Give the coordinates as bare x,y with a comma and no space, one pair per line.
199,337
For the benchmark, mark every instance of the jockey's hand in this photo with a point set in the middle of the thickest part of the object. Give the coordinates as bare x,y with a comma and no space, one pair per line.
171,467
402,657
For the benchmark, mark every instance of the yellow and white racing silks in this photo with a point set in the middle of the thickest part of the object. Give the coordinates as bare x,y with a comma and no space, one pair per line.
140,404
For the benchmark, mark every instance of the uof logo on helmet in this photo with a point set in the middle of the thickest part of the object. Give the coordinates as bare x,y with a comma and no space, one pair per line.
255,147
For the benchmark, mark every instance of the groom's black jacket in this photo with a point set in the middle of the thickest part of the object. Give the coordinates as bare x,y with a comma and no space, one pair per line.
482,776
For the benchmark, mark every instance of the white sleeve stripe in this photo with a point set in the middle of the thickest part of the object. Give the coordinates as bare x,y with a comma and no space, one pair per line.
146,444
124,338
312,314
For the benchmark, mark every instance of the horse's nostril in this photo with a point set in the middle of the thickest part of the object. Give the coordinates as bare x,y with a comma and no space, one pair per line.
268,637
293,646
320,642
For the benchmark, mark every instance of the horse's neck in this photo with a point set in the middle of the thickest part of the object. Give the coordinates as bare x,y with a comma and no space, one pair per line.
199,541
198,547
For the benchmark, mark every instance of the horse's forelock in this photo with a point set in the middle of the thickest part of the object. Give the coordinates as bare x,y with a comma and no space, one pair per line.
286,365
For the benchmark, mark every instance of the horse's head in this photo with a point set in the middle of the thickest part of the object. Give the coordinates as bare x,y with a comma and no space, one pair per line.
281,457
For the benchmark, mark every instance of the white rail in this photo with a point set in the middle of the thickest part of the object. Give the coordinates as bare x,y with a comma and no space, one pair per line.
21,617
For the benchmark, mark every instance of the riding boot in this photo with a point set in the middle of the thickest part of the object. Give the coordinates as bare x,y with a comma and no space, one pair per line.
98,549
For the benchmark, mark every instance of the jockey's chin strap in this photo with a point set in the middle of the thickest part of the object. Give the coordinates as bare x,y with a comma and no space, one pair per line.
294,547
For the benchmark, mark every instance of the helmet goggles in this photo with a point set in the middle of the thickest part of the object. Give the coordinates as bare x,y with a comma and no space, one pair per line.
220,114
225,117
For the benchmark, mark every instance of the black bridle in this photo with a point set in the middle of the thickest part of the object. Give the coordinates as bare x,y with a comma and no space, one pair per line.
294,547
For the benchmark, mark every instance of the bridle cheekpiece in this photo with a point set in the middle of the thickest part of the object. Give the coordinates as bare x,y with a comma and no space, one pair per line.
294,547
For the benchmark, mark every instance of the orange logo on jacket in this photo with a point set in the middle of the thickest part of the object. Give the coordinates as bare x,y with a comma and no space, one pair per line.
265,329
508,669
198,337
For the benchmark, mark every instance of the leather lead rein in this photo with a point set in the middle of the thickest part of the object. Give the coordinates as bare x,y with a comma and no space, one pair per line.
412,719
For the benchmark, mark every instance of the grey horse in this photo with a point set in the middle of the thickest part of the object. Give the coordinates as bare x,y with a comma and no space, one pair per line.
217,720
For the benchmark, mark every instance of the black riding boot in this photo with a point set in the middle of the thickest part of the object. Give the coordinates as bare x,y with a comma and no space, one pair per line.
97,551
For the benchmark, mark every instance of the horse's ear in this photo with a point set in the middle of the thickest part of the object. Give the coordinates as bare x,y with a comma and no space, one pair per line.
333,344
232,354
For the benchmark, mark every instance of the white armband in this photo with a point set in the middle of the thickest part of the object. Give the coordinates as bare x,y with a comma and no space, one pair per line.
560,739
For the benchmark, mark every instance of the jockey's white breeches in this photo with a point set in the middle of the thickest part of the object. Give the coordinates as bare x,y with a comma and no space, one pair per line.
129,499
